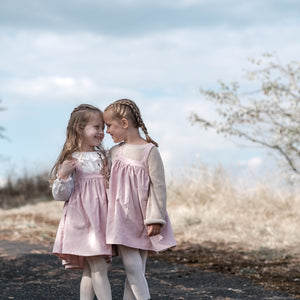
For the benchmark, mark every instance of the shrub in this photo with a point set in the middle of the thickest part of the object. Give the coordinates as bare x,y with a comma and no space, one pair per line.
24,190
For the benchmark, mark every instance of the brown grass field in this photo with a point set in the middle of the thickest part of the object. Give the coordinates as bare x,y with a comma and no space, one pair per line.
219,225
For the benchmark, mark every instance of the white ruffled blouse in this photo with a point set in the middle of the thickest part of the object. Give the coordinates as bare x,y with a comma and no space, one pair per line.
89,162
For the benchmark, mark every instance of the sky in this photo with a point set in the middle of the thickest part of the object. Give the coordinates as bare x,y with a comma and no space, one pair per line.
55,55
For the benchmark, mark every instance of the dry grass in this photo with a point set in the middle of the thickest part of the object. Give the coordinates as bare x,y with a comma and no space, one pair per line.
36,223
206,206
237,228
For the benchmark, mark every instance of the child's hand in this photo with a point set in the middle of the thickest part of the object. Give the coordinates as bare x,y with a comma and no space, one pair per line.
154,229
66,168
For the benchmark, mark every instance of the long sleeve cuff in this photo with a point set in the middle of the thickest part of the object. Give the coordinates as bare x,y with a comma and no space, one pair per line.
155,221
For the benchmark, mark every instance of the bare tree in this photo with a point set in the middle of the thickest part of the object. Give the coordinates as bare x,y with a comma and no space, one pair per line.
268,116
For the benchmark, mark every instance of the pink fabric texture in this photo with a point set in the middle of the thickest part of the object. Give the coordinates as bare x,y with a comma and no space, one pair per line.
82,227
127,203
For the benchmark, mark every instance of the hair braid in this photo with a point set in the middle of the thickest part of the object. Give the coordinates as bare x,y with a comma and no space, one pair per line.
121,110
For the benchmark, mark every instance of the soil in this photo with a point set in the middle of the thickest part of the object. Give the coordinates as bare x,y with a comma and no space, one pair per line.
30,271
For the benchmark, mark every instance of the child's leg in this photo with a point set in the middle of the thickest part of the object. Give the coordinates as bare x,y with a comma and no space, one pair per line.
99,267
136,286
86,286
128,294
144,255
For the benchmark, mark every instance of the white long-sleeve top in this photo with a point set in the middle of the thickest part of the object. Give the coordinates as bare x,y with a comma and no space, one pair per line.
89,162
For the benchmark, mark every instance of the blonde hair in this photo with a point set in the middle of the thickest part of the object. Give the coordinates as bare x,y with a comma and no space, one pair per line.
78,120
126,108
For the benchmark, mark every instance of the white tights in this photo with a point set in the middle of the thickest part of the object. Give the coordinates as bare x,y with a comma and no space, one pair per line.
94,279
134,261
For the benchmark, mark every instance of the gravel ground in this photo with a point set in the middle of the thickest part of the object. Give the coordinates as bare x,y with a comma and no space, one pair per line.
31,272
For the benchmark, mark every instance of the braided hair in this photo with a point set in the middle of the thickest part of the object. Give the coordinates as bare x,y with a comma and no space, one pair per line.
78,120
126,108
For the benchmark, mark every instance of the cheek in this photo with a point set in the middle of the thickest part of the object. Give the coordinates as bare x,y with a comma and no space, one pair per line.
89,132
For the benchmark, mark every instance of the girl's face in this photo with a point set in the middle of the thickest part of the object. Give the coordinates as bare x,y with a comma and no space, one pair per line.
93,132
115,127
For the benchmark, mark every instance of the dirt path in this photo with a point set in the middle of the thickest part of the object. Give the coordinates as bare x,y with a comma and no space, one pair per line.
32,272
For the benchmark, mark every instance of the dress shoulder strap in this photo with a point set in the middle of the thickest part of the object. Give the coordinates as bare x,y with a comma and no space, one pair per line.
120,149
147,150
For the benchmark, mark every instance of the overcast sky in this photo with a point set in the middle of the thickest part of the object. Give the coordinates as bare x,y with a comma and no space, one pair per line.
55,55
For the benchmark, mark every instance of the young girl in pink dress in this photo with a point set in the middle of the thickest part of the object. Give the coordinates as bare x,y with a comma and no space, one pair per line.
78,178
137,220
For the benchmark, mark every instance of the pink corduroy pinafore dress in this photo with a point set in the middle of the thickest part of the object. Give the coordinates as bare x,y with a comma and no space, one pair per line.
128,195
82,227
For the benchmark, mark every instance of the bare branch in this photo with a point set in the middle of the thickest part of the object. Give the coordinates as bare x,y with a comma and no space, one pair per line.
271,119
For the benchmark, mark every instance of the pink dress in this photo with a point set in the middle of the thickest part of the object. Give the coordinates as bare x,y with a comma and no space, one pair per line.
82,227
127,202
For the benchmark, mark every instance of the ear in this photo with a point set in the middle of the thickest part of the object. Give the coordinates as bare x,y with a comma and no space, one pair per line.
124,123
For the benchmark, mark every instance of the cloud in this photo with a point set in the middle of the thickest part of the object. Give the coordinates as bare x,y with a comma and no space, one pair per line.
57,54
51,91
253,164
49,88
168,63
132,17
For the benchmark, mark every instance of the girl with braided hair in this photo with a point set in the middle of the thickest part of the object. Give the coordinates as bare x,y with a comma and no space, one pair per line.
137,220
79,179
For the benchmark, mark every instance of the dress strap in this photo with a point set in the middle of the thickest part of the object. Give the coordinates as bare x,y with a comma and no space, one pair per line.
148,148
120,149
